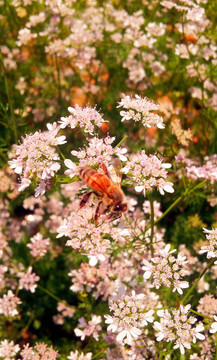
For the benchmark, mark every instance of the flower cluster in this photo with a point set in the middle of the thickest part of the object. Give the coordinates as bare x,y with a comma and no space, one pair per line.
210,249
64,311
129,315
194,171
178,326
146,172
8,350
183,136
28,280
76,356
85,117
8,304
40,351
85,235
140,110
214,326
38,246
167,270
89,328
97,152
207,305
36,158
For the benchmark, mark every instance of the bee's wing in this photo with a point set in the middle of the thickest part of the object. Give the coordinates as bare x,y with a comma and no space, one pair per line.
115,173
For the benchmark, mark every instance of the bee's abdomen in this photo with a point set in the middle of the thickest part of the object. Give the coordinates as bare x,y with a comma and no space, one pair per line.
95,180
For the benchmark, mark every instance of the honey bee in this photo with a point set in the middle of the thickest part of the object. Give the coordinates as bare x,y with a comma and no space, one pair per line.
107,188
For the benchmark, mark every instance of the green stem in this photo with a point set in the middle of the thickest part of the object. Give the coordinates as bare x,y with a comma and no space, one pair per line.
48,292
152,225
183,178
60,152
100,352
198,279
58,81
14,125
188,191
199,314
168,210
121,142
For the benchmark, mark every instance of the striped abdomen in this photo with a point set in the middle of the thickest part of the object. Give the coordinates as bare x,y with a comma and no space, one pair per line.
95,180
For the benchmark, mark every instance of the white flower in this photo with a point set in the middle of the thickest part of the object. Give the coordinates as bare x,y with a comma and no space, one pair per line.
214,325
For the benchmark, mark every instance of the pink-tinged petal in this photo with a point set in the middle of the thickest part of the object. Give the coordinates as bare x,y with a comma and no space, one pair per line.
169,189
24,184
70,164
71,110
147,275
93,261
18,169
139,188
121,336
61,140
109,319
167,248
160,337
55,167
160,126
166,165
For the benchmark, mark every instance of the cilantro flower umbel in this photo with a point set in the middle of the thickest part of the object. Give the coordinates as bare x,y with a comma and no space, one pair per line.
139,109
35,158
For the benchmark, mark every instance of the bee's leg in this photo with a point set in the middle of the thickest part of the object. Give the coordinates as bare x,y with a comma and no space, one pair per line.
105,170
85,198
117,216
97,212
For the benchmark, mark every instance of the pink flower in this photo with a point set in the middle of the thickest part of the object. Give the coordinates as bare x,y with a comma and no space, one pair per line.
76,356
210,249
214,326
38,245
147,172
89,328
8,350
129,315
8,304
40,351
140,109
83,234
167,270
28,280
36,158
97,151
85,117
177,326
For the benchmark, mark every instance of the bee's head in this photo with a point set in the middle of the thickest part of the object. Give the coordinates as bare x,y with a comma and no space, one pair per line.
119,208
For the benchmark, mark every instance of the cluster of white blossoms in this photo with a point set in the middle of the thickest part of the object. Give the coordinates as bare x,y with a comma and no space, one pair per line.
36,159
97,151
167,270
178,326
146,172
129,315
139,109
85,117
211,248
